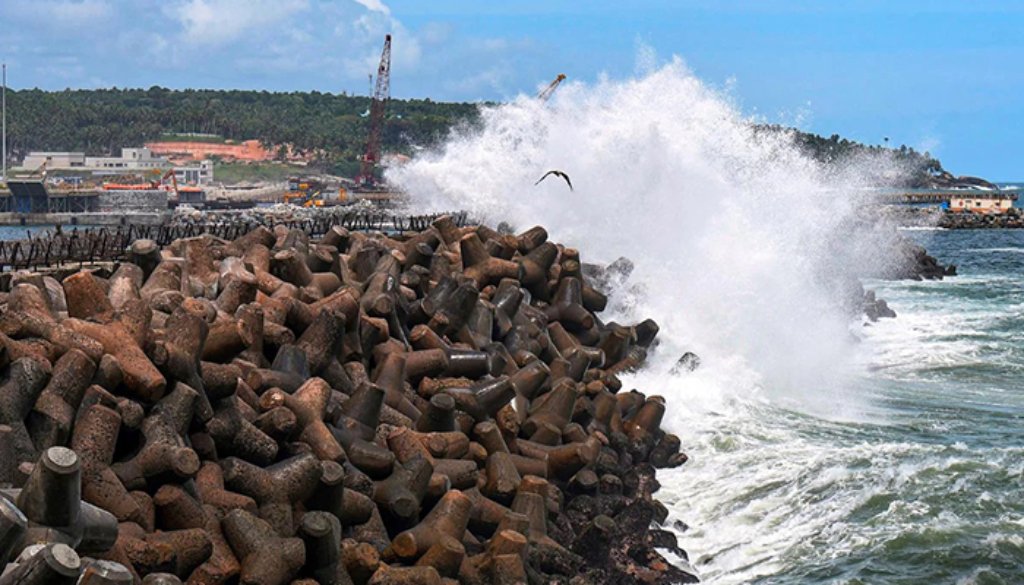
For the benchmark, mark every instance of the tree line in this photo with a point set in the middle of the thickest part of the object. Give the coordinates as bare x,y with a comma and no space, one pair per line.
916,168
332,128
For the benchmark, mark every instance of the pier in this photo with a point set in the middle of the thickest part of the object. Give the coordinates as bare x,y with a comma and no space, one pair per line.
939,196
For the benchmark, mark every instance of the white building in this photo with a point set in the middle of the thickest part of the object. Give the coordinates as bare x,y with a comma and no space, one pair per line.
54,160
197,174
982,202
131,159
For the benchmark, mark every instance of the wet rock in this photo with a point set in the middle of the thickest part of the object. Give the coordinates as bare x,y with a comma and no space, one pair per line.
688,362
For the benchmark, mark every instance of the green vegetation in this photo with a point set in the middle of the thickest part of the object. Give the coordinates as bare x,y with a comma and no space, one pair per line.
918,166
330,127
232,173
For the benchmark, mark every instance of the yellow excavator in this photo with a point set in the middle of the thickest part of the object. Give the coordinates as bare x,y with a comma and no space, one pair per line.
304,191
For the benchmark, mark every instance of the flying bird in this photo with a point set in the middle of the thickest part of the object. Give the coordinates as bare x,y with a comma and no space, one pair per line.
557,174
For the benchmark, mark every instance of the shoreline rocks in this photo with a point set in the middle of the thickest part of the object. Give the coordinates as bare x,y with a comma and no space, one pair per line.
1013,218
934,217
437,407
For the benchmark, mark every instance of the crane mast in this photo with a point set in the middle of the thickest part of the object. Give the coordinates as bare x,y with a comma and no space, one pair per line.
380,98
544,95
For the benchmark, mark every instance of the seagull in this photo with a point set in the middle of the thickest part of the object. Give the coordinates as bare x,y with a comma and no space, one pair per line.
557,174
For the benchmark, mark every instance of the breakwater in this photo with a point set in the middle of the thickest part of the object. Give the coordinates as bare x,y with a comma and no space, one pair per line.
354,408
54,247
1012,218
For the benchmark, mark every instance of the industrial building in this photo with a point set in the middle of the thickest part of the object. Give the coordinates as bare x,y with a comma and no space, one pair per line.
140,159
200,173
987,202
54,160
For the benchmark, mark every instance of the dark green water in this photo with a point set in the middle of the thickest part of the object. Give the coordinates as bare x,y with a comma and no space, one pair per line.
915,473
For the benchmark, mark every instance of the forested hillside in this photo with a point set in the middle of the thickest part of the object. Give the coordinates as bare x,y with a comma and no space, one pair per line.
333,127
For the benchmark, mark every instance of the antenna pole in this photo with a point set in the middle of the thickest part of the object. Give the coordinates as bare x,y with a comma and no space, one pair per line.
4,116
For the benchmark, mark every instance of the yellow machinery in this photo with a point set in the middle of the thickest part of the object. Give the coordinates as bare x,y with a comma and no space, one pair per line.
304,191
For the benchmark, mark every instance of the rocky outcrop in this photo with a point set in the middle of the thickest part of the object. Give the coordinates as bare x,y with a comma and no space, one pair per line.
946,180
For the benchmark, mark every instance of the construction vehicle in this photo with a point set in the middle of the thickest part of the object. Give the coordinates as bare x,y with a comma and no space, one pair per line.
544,95
127,183
193,195
305,191
366,177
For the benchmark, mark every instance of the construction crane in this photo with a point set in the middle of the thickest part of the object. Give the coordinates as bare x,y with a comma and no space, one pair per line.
174,182
41,171
371,158
544,95
127,183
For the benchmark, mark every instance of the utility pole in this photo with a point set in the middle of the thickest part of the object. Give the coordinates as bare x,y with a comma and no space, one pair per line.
4,140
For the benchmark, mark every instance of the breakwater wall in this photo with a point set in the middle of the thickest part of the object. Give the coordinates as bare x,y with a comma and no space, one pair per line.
432,407
1013,218
89,245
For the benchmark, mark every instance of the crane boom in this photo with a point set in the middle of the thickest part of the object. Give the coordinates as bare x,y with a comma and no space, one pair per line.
544,95
380,98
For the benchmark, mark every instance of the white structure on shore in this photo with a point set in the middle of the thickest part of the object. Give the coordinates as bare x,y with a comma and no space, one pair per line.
987,202
131,160
200,173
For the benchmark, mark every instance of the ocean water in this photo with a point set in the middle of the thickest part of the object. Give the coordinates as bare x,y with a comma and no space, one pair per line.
821,450
8,233
921,486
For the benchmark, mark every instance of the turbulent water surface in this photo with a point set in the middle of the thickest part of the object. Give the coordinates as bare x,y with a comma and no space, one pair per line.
922,487
822,451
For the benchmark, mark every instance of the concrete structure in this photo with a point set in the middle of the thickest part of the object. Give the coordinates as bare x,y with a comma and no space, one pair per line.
141,201
197,174
30,196
54,160
29,202
981,202
131,160
952,199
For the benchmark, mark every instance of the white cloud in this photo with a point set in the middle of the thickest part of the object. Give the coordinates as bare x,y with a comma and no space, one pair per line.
329,45
60,13
75,11
930,144
218,22
374,6
436,32
494,79
361,41
289,35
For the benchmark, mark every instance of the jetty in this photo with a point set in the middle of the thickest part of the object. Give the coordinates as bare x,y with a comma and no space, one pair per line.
270,406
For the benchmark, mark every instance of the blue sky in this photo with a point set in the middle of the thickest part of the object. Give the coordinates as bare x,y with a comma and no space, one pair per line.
940,75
